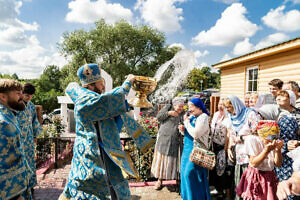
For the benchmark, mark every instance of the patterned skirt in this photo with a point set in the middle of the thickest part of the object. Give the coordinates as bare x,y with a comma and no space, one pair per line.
257,185
164,167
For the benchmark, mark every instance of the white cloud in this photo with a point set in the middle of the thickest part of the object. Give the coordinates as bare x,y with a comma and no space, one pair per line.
9,11
294,1
29,62
243,47
231,27
225,57
287,22
13,36
199,54
177,45
161,14
271,40
20,52
87,11
227,1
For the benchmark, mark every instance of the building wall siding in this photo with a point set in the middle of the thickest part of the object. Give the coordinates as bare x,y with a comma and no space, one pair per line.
285,66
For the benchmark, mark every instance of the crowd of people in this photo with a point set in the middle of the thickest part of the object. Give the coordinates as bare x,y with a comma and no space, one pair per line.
252,140
256,142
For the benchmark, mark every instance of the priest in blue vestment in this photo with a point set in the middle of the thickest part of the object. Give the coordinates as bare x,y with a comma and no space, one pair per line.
99,165
14,169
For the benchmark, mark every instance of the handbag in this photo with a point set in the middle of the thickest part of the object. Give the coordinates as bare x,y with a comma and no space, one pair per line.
202,156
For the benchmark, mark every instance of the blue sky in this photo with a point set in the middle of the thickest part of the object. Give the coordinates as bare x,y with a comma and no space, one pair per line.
215,30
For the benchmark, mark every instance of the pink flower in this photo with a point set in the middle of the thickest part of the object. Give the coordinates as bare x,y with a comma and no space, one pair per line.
141,113
147,121
155,124
151,117
150,126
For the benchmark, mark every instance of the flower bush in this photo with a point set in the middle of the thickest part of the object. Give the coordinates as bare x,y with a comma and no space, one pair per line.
150,124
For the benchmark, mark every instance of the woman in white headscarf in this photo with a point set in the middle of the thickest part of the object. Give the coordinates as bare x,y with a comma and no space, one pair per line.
288,131
243,122
256,101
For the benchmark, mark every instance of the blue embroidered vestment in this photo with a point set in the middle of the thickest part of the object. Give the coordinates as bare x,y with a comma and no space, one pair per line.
88,178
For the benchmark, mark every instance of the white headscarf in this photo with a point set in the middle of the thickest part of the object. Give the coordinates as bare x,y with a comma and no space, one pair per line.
292,97
177,100
269,111
260,101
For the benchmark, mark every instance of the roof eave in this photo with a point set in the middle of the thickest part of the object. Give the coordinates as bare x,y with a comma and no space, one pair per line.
278,48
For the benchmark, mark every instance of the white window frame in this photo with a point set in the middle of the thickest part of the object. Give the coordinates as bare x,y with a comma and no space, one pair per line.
247,79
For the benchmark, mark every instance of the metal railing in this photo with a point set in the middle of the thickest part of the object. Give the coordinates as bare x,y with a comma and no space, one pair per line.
54,152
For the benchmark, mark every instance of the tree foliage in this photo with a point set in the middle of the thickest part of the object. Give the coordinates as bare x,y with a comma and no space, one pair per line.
209,79
48,87
120,49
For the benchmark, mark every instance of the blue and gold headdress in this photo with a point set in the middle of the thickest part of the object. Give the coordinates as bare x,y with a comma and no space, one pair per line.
89,73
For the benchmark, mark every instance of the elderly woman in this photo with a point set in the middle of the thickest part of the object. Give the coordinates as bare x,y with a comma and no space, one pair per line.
244,121
256,101
164,165
194,183
222,175
286,100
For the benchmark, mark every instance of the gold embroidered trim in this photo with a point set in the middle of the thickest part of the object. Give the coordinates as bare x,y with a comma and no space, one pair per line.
116,154
63,197
147,146
137,133
132,166
124,171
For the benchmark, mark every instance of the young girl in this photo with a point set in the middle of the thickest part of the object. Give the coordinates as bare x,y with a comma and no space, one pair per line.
259,181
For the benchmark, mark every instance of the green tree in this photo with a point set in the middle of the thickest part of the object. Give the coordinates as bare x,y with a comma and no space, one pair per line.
194,78
15,76
48,87
50,79
120,49
213,78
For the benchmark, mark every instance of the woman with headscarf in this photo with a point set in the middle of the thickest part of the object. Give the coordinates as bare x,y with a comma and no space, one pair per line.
288,131
222,175
164,165
244,121
256,101
286,100
194,183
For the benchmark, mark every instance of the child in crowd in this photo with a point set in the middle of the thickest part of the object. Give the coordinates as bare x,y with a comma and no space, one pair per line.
259,181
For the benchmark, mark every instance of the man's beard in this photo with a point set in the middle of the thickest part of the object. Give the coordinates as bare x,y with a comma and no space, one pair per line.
16,105
97,90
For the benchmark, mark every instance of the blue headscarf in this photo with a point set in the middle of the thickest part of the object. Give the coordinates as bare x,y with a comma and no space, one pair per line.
199,103
241,112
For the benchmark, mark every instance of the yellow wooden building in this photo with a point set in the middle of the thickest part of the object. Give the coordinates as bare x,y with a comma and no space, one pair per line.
253,71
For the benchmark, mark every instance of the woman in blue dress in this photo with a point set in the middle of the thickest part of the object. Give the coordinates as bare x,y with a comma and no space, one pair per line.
194,180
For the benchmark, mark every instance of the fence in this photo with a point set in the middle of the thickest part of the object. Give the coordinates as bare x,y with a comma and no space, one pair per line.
55,152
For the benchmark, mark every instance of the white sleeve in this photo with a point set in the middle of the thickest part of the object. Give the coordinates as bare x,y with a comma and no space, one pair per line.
253,146
201,126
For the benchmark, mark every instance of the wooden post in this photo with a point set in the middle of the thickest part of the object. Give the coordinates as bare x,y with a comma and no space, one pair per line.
214,101
39,112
